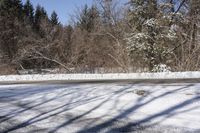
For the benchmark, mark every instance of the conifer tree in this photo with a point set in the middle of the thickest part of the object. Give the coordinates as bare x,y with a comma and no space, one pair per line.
40,14
152,37
87,18
54,18
29,11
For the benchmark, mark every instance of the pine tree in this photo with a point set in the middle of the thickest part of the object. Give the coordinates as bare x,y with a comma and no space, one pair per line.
29,11
54,18
40,14
152,36
87,18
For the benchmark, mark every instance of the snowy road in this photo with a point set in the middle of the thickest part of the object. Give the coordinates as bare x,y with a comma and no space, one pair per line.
100,107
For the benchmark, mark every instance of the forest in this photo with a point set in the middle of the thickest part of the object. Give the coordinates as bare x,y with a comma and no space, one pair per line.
107,37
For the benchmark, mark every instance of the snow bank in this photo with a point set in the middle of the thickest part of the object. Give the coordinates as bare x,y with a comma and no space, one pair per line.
100,77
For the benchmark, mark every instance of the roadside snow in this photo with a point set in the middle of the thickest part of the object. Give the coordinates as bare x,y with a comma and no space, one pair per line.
100,77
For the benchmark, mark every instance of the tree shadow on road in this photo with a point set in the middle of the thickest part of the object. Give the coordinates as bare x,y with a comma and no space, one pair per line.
79,96
72,96
133,126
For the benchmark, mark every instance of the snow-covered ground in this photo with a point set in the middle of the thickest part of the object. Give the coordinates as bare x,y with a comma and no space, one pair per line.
100,107
99,77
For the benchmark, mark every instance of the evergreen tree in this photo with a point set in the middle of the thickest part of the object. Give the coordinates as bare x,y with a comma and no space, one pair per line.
29,11
40,14
152,37
88,18
54,18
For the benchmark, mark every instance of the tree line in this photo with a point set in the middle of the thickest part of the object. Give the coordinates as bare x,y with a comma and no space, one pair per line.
139,35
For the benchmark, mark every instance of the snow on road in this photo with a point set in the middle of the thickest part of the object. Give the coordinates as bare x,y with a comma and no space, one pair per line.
100,107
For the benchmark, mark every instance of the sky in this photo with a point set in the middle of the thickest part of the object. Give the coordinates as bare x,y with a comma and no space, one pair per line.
64,8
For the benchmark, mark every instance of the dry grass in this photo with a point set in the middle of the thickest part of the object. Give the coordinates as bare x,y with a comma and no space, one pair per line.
7,69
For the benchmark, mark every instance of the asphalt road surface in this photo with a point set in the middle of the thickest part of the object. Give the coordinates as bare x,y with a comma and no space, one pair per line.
116,107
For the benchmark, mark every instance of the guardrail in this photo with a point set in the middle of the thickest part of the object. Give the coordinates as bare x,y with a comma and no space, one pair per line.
100,77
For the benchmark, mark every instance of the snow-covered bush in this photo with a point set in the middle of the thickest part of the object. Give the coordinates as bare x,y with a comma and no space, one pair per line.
161,68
